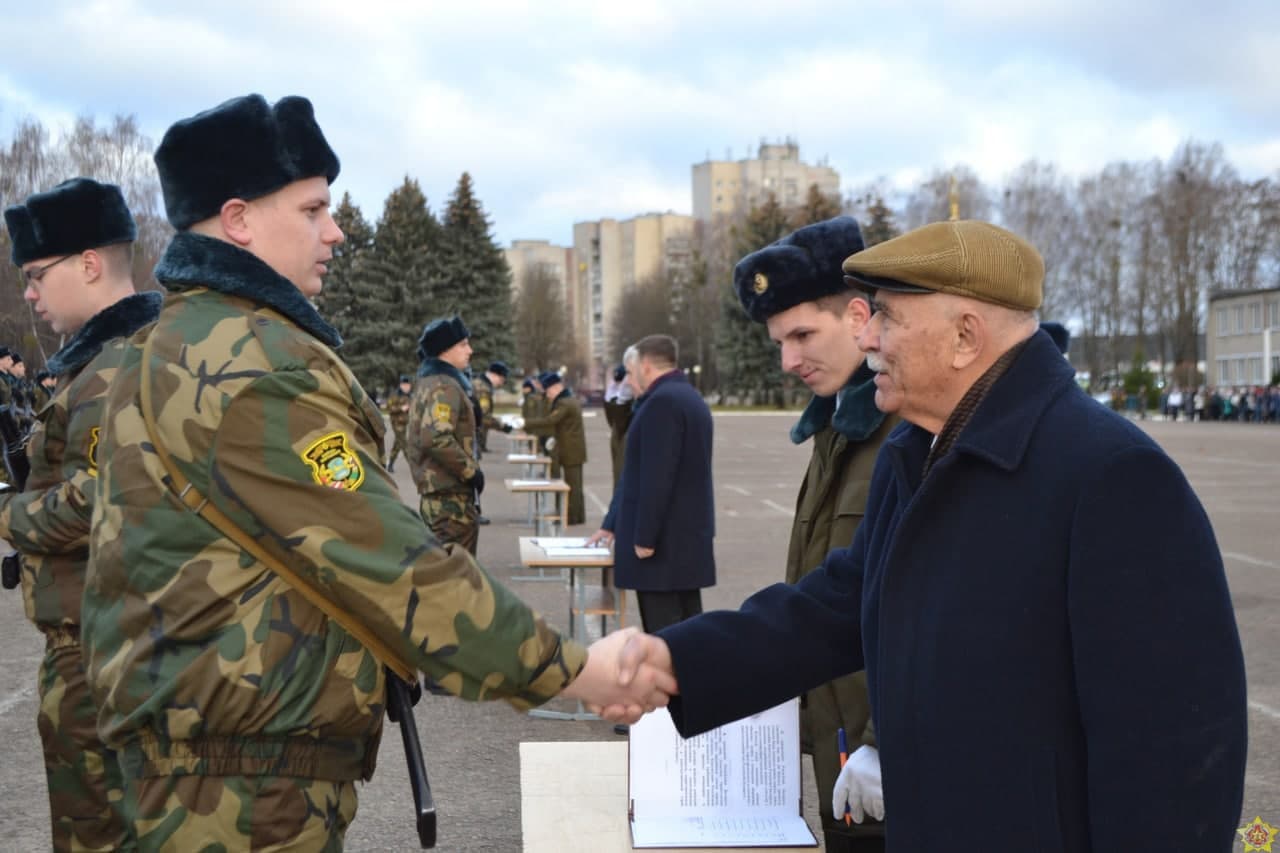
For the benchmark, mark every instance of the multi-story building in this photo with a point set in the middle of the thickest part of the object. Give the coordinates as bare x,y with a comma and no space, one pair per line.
726,187
614,256
1243,337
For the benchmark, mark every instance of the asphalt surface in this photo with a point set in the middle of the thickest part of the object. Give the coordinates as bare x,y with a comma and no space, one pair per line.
473,750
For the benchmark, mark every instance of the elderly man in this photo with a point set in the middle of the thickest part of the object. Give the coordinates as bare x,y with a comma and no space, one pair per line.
252,566
1035,592
74,244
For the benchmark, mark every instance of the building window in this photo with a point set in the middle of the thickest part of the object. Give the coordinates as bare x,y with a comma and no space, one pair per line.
1238,312
1224,371
1275,315
1222,322
1255,316
1255,370
1275,366
1241,367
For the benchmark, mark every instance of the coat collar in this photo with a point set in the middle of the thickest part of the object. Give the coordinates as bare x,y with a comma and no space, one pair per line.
118,320
672,375
194,260
1001,428
438,367
851,411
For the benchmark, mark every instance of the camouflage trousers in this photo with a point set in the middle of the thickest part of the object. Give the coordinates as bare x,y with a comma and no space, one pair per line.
85,789
219,814
452,518
397,448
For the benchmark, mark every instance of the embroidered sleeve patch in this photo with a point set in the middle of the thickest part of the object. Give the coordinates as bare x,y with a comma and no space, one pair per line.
92,452
441,412
333,464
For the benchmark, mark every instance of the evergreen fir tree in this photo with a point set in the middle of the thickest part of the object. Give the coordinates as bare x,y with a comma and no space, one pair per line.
403,275
880,225
348,302
816,208
475,279
747,360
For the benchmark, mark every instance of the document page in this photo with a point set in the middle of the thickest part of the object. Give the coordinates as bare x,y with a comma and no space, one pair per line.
735,786
519,484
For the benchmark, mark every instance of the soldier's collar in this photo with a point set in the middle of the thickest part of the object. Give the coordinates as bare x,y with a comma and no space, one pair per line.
434,367
118,320
851,410
194,260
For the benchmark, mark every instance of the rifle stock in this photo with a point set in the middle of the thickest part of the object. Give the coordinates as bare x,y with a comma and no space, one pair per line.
400,710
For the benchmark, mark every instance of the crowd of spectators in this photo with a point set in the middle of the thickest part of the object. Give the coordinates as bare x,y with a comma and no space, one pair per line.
1248,404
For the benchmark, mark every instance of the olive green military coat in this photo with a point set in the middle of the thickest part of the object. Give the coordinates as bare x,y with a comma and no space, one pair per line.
563,422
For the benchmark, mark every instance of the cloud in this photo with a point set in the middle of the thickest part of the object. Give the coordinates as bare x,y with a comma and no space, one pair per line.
565,111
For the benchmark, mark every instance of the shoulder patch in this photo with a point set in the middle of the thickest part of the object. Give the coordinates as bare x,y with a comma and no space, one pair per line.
333,464
92,452
441,412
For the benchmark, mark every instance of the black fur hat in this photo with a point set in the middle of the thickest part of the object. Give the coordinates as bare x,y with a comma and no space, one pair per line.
500,368
75,215
546,380
242,148
803,266
439,335
620,373
1060,334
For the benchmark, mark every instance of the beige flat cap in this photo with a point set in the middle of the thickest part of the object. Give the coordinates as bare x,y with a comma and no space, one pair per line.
966,258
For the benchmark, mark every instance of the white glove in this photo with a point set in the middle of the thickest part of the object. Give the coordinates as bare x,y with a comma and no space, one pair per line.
551,444
859,786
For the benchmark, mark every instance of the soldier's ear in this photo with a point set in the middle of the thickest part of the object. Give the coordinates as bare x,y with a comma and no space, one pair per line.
234,217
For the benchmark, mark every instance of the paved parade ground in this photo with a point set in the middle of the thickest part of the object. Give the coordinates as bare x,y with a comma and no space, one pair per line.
473,751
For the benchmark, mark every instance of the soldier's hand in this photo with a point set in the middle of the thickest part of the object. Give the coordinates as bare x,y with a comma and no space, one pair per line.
858,786
477,482
601,686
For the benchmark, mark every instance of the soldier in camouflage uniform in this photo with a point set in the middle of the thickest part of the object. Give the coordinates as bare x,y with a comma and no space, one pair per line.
567,439
441,435
44,387
242,715
493,379
90,296
797,288
397,408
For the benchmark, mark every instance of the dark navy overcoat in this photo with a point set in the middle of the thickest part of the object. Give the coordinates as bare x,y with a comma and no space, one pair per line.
1051,649
664,500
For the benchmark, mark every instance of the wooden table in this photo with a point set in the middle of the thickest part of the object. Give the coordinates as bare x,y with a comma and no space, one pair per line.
584,601
530,461
522,442
546,520
573,799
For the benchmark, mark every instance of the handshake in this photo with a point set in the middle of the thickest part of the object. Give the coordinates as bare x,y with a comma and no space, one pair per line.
627,675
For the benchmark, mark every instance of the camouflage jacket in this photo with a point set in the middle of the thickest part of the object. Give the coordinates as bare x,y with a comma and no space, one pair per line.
397,407
829,508
49,522
200,659
562,421
440,440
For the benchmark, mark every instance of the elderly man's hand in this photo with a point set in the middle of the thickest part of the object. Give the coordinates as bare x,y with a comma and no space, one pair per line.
600,537
624,697
644,553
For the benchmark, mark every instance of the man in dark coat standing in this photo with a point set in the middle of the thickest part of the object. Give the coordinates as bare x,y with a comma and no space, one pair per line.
662,516
1035,592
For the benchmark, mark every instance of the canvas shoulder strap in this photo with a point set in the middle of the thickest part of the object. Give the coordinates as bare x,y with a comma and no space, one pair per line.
193,500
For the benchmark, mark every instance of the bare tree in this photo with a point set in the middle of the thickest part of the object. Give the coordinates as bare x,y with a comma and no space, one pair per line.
544,336
1037,204
931,200
643,310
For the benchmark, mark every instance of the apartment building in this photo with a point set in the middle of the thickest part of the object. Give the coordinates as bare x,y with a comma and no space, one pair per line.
1243,337
725,187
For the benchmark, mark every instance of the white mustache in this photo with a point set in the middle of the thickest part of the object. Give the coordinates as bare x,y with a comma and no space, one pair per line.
874,362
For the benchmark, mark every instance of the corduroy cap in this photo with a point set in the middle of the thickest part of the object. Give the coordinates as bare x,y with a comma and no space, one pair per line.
75,215
964,258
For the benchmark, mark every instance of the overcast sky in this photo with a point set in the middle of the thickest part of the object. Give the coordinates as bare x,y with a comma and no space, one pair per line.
565,111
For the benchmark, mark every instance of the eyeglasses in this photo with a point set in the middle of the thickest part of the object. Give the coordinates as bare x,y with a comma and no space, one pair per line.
34,276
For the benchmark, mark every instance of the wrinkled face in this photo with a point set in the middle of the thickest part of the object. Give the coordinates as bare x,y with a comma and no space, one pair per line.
56,290
294,233
910,343
458,355
817,345
634,377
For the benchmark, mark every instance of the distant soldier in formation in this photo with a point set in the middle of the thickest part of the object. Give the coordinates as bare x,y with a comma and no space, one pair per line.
74,245
397,408
44,387
493,379
618,402
566,439
441,435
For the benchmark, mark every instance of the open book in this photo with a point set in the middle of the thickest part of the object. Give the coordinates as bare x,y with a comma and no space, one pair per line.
735,786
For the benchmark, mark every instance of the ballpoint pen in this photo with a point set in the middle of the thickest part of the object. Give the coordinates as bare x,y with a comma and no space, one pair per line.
844,756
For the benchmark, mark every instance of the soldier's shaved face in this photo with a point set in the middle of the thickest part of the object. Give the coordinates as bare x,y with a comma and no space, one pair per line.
294,233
